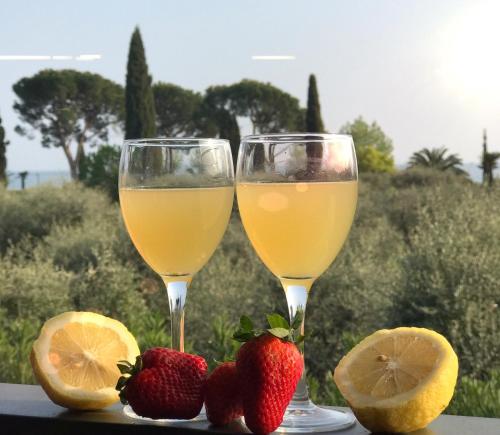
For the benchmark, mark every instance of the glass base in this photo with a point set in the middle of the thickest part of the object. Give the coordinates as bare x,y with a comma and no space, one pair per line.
305,416
129,412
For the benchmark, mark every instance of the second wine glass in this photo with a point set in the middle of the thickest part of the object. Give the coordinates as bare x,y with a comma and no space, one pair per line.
297,196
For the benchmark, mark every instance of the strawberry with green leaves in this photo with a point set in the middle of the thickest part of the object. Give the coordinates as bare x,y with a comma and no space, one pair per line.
163,383
269,366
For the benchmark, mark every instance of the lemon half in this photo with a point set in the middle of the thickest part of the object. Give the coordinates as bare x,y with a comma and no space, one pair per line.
74,359
398,380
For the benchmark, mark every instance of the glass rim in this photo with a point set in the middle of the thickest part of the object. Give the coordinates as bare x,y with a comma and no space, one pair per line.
294,137
175,141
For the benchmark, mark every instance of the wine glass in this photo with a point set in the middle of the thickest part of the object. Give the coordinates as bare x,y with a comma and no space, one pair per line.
176,197
297,197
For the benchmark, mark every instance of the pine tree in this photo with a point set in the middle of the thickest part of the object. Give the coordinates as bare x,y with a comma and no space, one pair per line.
314,123
139,101
3,157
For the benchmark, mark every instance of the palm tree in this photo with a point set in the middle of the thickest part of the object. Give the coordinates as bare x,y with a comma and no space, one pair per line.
489,162
437,158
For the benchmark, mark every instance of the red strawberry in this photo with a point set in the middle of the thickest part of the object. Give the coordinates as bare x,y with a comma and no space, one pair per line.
222,395
164,383
269,367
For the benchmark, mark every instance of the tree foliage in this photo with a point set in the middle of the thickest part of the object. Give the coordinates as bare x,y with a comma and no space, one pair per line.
3,155
177,110
437,158
314,122
269,109
70,109
100,169
373,146
215,118
140,118
371,159
489,162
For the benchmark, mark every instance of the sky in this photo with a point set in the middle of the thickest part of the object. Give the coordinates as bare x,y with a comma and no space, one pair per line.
427,71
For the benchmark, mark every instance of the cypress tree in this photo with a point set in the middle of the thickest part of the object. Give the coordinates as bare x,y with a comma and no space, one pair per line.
314,123
3,157
229,129
139,101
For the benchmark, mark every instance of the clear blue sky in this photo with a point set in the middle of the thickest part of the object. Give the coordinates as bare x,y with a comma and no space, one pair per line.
423,69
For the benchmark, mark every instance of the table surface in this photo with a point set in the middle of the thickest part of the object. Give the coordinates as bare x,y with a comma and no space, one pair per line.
25,409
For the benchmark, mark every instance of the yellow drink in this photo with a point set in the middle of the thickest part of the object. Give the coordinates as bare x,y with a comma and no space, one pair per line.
297,229
176,231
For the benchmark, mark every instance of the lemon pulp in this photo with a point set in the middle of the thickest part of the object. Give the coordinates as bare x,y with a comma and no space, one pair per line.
398,380
75,356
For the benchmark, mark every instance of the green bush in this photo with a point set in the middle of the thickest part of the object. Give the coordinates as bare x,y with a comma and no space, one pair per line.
422,251
111,289
33,288
16,339
451,275
100,170
480,398
34,212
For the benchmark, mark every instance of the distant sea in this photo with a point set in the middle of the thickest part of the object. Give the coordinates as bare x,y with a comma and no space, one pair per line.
59,177
34,179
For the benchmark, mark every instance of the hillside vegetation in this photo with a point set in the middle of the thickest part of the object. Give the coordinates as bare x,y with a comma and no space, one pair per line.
423,251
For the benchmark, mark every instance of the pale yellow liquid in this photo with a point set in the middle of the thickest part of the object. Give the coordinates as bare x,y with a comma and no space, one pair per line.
297,229
176,231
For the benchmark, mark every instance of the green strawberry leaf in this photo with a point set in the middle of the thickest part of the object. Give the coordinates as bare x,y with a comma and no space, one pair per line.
277,321
137,367
246,323
243,336
279,327
123,399
124,367
279,332
122,381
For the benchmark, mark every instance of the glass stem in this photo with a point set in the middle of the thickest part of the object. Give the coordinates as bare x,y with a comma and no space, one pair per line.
177,291
296,297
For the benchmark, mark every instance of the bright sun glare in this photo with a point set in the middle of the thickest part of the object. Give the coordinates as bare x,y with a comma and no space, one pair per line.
469,61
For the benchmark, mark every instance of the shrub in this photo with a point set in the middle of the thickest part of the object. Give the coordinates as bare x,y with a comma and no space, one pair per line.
427,177
451,275
16,339
100,170
110,288
33,212
422,251
33,289
78,247
480,398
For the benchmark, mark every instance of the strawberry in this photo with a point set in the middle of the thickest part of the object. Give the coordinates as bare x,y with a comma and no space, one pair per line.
222,395
269,366
163,383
